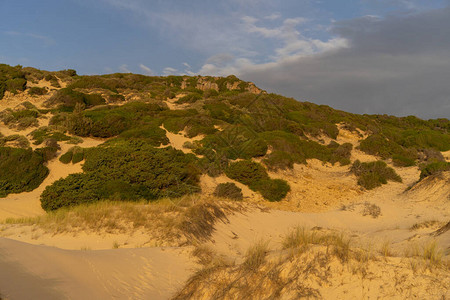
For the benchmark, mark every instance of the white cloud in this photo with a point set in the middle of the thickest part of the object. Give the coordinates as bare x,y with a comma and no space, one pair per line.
47,41
124,69
146,70
170,71
273,16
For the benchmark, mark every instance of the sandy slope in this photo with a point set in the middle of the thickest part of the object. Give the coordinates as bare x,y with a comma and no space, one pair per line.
40,272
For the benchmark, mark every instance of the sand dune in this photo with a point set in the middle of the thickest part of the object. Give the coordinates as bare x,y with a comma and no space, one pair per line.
40,272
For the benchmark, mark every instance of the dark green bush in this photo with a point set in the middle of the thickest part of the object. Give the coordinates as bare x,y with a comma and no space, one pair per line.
15,85
373,174
66,157
434,168
190,98
43,133
273,190
67,98
246,172
22,170
228,190
53,80
401,161
11,79
255,176
131,171
47,153
279,160
37,91
77,156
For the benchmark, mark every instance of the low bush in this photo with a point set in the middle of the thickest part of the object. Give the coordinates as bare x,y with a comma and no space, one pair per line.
279,160
190,98
434,168
22,170
228,190
255,176
401,161
78,154
246,172
373,174
41,134
273,190
67,98
37,91
53,80
66,157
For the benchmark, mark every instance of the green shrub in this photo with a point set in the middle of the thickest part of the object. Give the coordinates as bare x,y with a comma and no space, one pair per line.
11,79
189,98
434,168
114,98
47,153
255,176
43,133
246,172
15,85
228,190
130,171
77,156
373,174
53,80
154,135
22,170
273,190
37,91
401,161
66,157
67,98
279,160
19,141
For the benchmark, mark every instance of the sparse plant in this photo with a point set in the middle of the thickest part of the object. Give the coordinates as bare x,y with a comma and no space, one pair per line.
256,255
372,210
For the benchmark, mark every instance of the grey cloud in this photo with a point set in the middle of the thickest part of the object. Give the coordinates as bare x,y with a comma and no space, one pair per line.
399,65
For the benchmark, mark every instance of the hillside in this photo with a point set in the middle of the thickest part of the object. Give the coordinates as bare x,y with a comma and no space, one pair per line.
136,161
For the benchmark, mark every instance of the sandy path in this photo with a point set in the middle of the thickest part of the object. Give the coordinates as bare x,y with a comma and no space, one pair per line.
51,273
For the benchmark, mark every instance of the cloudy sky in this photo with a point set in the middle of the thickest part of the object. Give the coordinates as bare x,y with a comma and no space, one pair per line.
363,56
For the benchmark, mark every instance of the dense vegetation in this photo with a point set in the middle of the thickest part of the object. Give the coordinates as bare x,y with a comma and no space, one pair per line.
236,125
22,170
129,171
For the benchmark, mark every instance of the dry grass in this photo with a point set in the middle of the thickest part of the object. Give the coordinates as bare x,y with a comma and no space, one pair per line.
385,249
175,221
256,255
426,224
430,254
301,239
310,262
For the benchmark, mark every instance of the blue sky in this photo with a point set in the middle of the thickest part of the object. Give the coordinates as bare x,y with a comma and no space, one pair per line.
249,38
